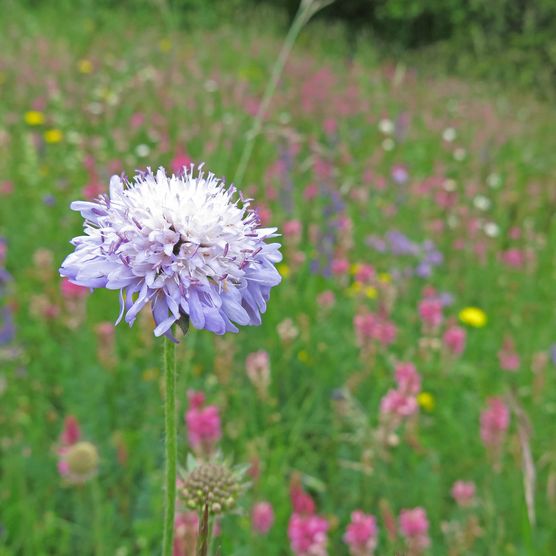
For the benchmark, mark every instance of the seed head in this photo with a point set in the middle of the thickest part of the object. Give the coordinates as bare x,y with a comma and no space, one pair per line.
82,462
211,484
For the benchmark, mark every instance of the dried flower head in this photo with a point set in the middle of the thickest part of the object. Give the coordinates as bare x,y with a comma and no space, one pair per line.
188,245
80,462
213,485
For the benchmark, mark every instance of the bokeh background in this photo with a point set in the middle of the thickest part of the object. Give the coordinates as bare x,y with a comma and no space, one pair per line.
405,367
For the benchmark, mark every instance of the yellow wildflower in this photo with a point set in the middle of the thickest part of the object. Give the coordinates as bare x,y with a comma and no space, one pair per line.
357,288
354,288
284,270
355,267
473,316
85,66
53,136
165,45
370,292
150,375
426,401
385,278
34,117
303,356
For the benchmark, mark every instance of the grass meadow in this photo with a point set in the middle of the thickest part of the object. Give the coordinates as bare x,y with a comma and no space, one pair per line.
417,222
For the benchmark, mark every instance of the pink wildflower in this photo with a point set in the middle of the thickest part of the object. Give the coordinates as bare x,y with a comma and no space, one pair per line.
463,493
293,229
408,379
398,404
339,267
430,311
330,126
514,258
326,299
262,517
369,326
72,291
301,501
6,188
186,527
454,340
180,160
308,535
364,273
311,191
508,356
361,534
414,526
71,433
203,424
399,173
257,366
495,420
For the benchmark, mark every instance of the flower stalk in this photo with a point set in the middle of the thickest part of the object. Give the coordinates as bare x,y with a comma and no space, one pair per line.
307,9
170,444
204,532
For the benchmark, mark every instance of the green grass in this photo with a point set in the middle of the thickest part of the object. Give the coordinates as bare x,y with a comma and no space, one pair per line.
198,96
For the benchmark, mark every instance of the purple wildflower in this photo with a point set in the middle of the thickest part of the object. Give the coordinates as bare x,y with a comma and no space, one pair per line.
553,353
185,244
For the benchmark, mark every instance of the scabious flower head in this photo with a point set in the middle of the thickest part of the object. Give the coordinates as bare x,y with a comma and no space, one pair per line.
187,245
361,534
262,517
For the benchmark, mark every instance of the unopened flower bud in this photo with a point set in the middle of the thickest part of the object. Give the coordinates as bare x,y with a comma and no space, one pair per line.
212,484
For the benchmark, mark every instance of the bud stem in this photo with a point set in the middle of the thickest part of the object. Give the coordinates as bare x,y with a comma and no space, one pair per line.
204,533
170,445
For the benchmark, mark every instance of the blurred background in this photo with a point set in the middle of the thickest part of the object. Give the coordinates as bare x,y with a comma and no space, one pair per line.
399,397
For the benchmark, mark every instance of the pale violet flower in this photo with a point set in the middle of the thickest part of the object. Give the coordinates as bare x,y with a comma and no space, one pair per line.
188,245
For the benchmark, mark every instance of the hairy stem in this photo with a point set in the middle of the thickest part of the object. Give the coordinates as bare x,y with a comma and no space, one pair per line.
170,445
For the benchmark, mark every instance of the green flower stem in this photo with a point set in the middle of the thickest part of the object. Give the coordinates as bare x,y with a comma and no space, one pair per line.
307,8
170,445
97,518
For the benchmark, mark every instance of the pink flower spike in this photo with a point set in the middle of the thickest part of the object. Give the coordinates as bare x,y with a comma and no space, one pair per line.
203,425
463,493
454,340
71,432
361,534
262,517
